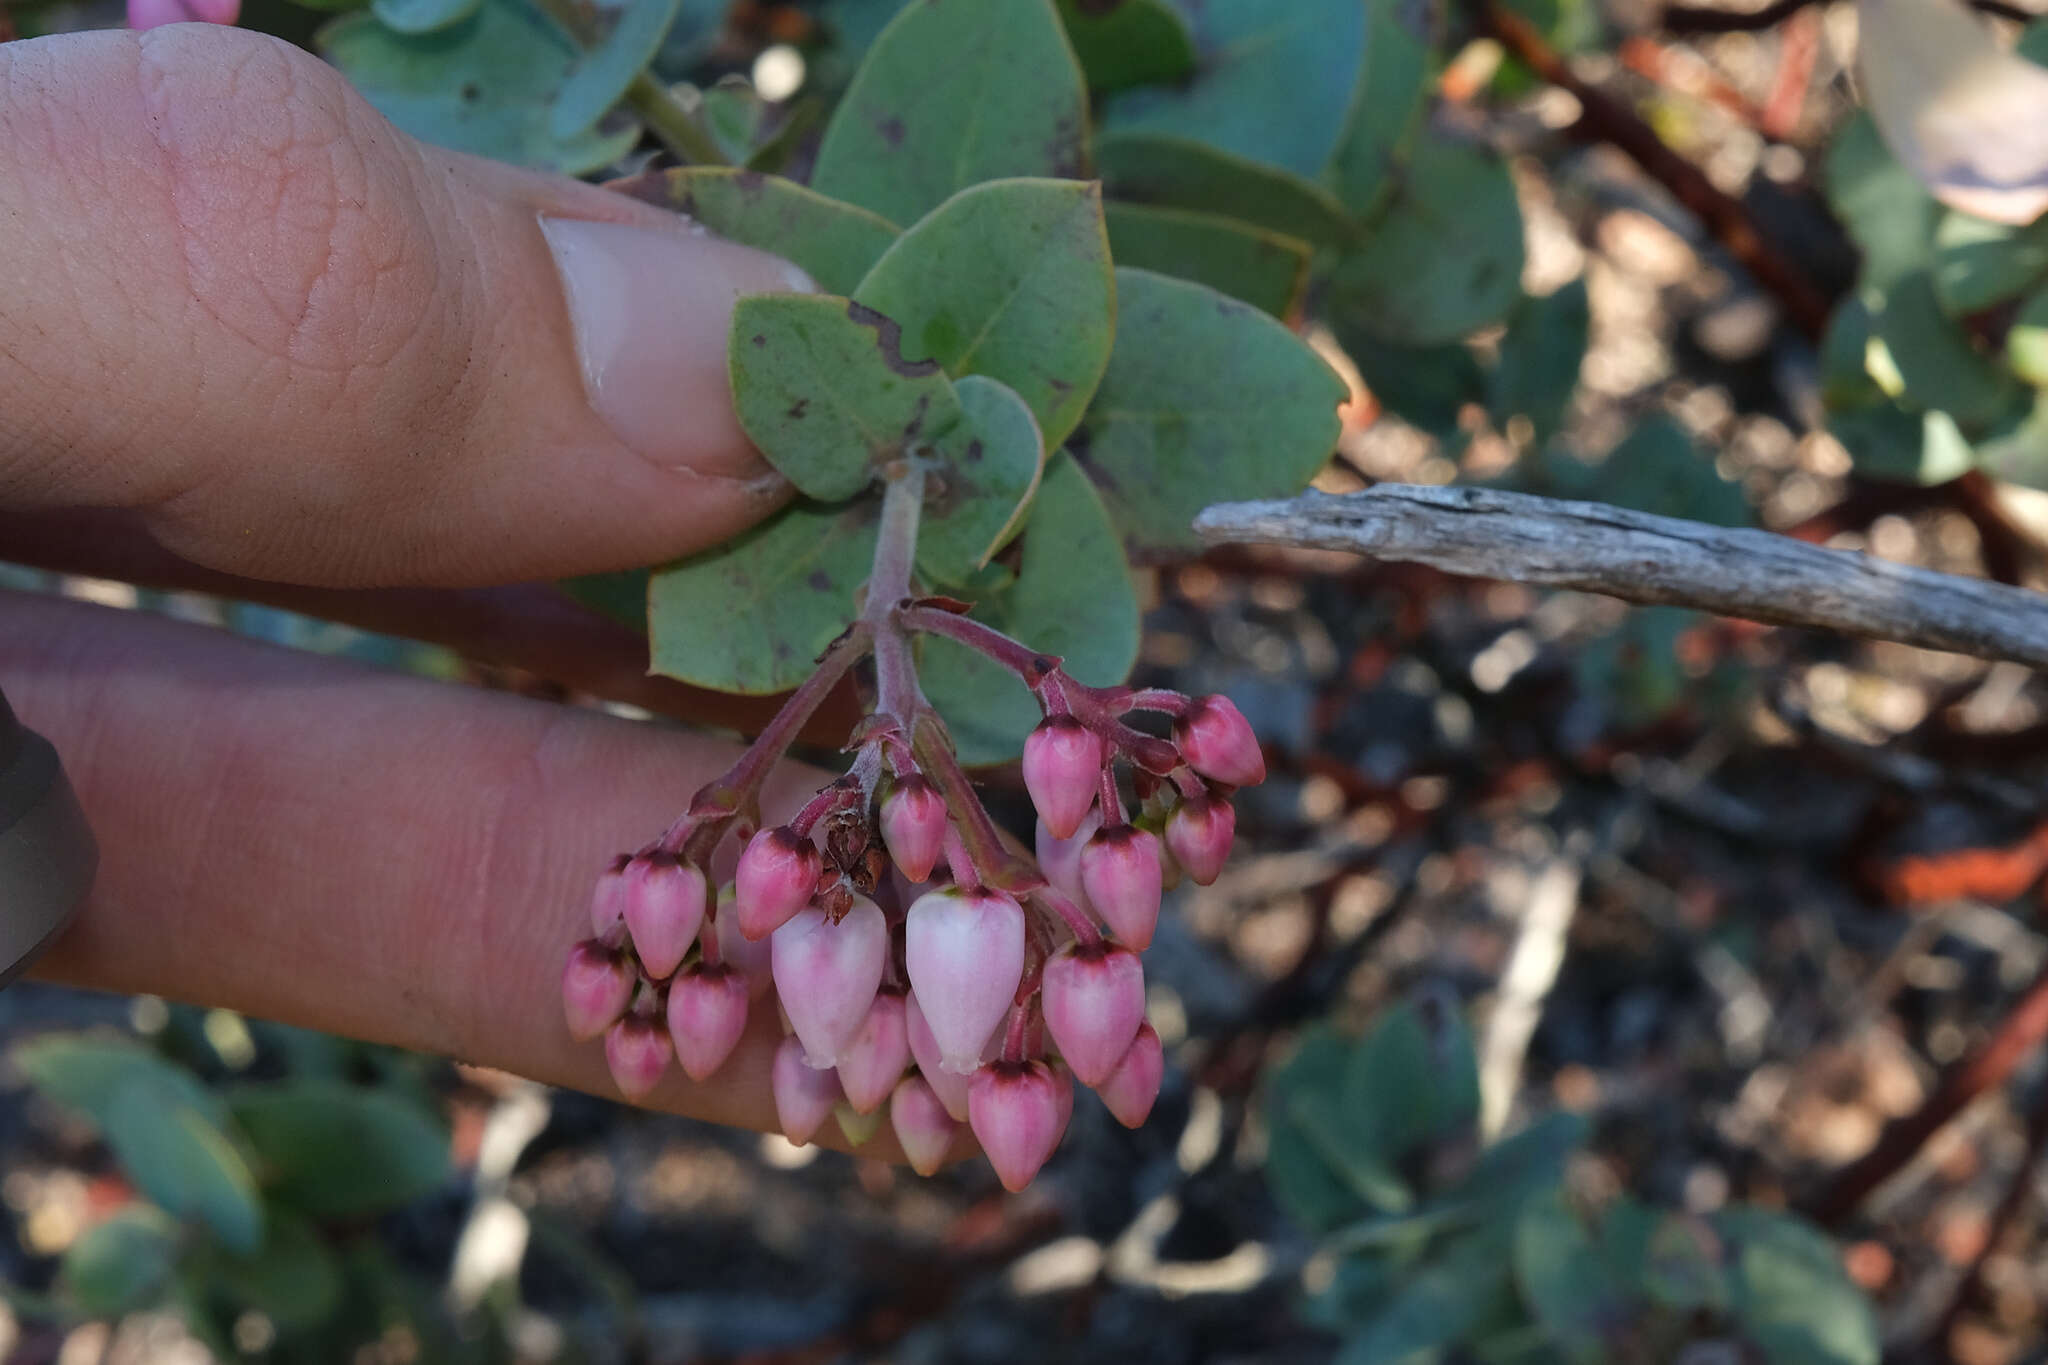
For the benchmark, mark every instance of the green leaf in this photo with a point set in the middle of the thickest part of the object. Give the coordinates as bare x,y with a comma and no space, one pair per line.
1306,1186
1580,1298
598,78
121,1264
1445,258
1274,82
955,92
836,244
1425,386
87,1072
980,498
1128,42
1934,357
1676,1256
486,85
1413,1081
1009,279
822,387
422,16
180,1157
621,596
1073,598
1888,442
293,1280
1180,173
787,584
1400,70
1884,208
1205,400
1460,1290
2026,344
1261,268
1525,1164
342,1151
2016,449
1979,263
1538,369
1790,1294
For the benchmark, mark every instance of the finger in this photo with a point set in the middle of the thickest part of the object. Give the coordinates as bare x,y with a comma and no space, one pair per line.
361,853
304,347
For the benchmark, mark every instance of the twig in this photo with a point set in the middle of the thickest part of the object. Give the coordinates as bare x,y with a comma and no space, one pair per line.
2017,1035
1516,537
1709,19
1602,118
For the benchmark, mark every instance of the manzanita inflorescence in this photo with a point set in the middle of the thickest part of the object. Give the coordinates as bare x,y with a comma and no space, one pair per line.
926,967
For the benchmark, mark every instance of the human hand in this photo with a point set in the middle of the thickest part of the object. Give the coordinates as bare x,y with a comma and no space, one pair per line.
245,323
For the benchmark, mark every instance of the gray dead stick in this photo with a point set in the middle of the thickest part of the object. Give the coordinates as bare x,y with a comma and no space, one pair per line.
1482,533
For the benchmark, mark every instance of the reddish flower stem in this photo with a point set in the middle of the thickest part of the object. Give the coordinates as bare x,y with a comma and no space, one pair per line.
1073,916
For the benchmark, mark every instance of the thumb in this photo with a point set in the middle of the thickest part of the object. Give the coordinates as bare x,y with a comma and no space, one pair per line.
301,346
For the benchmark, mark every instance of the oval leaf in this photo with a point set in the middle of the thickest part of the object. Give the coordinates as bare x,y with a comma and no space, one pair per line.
1540,356
293,1280
1012,280
1979,263
598,78
1261,268
1274,82
1072,597
86,1072
181,1158
1130,42
120,1264
1205,400
821,385
1400,70
955,92
993,460
1446,258
836,244
791,579
341,1151
1177,172
422,16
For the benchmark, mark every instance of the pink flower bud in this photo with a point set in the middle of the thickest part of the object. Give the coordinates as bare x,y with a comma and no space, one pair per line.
827,975
1198,834
923,1124
707,1013
597,986
1062,771
1217,742
914,827
1120,874
775,879
1060,859
1094,1001
154,13
1014,1110
873,1062
804,1095
751,958
1130,1088
664,910
608,899
965,954
637,1049
950,1086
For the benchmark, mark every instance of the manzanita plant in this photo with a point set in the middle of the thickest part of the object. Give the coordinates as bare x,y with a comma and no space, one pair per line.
982,415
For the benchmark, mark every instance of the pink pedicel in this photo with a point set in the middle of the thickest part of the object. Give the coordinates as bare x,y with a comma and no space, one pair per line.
664,909
707,1013
875,1060
608,897
1133,1085
1060,859
1094,1002
156,13
804,1095
1063,771
1217,742
827,975
752,958
1198,835
923,1124
597,986
964,951
1015,1110
1121,877
637,1049
775,879
914,827
950,1086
